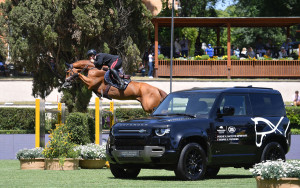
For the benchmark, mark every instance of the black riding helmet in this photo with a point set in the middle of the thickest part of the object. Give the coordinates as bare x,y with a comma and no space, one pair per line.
91,52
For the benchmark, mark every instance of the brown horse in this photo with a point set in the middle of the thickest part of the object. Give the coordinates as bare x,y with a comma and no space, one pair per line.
149,96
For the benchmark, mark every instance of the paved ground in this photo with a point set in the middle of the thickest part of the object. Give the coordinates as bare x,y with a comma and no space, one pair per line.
20,90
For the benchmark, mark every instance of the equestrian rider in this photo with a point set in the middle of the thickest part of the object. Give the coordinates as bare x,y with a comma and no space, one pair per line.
114,63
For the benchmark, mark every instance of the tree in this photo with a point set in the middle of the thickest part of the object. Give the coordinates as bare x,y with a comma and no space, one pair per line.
64,30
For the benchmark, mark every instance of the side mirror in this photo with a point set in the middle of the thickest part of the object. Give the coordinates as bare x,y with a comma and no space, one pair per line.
227,111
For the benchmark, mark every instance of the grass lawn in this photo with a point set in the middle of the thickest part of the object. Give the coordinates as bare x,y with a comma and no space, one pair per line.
12,176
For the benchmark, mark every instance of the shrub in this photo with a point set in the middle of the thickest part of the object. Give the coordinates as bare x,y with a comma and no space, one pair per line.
30,153
205,57
17,119
91,151
60,145
161,57
277,169
293,113
81,127
234,57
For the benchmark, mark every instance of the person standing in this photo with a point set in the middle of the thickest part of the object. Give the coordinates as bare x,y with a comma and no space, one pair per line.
209,51
184,47
177,48
150,64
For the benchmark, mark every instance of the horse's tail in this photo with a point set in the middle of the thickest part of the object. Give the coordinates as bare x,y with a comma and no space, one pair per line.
162,95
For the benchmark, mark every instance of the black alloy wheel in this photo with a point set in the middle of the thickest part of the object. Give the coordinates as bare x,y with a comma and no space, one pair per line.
192,163
273,151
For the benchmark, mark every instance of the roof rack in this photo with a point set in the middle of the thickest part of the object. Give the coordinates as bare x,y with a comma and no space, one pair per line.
250,86
205,88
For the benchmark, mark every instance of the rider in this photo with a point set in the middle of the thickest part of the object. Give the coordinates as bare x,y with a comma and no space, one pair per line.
114,63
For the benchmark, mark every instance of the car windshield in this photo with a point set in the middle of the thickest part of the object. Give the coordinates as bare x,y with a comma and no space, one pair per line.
186,103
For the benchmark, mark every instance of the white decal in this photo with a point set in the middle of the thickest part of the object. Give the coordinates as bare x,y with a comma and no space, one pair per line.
221,130
231,129
271,125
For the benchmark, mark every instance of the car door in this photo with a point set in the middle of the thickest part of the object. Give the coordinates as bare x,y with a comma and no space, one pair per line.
234,139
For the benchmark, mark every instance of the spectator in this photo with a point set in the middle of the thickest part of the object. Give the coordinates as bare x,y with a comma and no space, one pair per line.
184,47
2,68
237,52
232,50
282,53
286,44
209,51
177,48
250,53
269,53
244,53
260,48
142,69
296,99
150,64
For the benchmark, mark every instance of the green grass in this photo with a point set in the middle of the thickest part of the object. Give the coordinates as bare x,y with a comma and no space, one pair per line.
12,176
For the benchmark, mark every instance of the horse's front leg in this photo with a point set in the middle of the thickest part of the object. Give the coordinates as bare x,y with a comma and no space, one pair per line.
90,82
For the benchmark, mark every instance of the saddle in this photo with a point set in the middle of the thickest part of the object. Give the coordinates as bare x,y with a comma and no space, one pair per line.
108,77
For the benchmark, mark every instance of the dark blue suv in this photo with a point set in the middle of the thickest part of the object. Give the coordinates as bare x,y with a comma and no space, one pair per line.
195,132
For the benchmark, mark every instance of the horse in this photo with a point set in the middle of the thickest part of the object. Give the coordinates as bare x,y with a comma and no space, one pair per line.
149,96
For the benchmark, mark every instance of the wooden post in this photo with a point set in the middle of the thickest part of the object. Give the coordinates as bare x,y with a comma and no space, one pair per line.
112,114
288,32
156,50
228,51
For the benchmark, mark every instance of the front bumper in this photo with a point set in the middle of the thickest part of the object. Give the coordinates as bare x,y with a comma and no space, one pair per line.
149,155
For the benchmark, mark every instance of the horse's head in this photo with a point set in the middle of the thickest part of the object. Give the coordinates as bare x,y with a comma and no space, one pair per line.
71,75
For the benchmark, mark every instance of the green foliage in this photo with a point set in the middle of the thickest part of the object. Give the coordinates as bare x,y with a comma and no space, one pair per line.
293,113
205,57
295,131
161,57
65,30
277,169
91,151
234,57
30,153
81,127
60,145
191,34
17,119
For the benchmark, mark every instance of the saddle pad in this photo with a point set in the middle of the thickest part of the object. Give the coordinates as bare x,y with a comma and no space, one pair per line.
108,79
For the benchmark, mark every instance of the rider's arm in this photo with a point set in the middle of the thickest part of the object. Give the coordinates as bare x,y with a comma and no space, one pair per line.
99,61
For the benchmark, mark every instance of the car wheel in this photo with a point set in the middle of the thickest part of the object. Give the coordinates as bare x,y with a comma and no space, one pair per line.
273,151
212,172
192,163
124,173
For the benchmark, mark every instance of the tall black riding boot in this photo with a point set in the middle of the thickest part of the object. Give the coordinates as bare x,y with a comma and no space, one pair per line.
117,77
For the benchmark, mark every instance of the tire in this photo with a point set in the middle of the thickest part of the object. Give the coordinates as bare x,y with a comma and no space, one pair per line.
192,163
124,173
212,172
273,151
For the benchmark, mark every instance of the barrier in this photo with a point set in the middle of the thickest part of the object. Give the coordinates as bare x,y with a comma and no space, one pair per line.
98,118
40,111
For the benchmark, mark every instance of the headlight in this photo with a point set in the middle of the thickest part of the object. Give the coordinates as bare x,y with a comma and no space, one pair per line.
162,131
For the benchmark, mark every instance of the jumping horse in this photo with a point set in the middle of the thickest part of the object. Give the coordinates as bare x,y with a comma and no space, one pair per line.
149,96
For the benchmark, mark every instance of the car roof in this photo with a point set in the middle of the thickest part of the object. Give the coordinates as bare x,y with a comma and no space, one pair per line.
236,89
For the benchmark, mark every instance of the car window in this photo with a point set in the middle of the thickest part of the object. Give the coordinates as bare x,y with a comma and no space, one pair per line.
267,104
187,103
238,102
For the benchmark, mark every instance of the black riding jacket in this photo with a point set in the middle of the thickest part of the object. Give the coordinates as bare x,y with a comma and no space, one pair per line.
105,59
